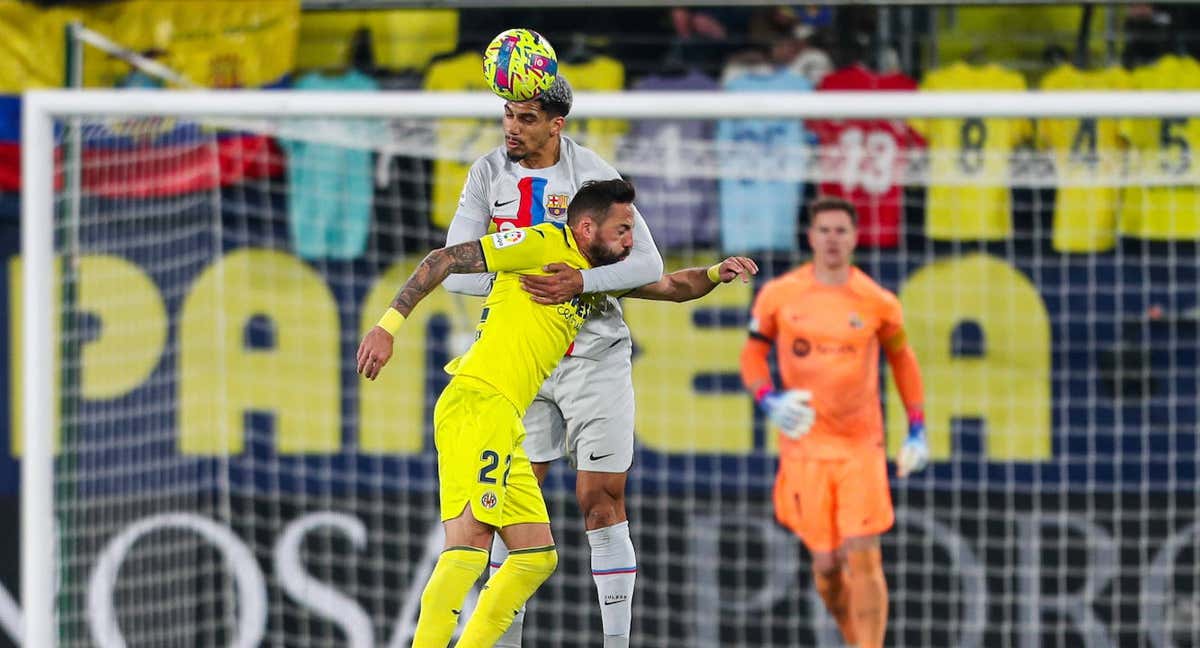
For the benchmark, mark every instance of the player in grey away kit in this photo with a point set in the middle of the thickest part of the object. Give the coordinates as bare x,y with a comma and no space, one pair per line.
585,408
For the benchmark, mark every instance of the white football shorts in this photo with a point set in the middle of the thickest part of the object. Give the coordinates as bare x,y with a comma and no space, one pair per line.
584,411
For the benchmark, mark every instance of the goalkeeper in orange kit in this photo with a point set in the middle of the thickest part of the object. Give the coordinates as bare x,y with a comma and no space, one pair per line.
828,321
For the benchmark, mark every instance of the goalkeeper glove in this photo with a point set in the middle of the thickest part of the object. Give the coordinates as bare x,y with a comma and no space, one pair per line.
914,454
788,410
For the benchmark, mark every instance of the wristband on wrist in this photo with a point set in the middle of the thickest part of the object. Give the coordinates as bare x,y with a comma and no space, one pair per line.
916,420
761,393
391,321
714,273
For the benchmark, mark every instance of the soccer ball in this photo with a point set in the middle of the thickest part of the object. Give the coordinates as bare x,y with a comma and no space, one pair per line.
519,64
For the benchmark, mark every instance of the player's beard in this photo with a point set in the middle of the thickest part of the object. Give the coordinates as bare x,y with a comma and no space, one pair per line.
600,255
514,156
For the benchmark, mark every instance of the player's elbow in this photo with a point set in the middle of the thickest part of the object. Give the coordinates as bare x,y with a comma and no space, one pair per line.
436,256
649,264
655,264
438,263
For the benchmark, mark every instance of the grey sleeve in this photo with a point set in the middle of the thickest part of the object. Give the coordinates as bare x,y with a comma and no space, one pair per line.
643,265
470,223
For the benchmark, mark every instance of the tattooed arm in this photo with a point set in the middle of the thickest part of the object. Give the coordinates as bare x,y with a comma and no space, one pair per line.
376,347
435,267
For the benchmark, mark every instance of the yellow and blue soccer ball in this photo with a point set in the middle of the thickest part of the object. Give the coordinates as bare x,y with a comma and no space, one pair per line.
519,64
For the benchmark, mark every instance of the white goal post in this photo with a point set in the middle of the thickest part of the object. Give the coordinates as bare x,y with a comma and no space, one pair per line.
41,109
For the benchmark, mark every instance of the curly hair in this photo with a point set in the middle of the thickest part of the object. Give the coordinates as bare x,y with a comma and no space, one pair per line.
556,100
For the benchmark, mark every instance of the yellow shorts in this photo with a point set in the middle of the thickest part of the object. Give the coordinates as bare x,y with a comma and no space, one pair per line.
478,435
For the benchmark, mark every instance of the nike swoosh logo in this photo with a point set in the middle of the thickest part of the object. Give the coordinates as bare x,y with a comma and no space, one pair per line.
456,612
592,456
614,602
501,204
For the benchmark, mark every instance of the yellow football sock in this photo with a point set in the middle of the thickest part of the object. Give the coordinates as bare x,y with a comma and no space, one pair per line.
517,579
456,571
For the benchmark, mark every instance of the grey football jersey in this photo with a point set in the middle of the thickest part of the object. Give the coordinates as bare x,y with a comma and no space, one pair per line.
506,195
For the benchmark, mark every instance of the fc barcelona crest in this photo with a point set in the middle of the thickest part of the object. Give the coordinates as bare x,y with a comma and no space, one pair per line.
556,205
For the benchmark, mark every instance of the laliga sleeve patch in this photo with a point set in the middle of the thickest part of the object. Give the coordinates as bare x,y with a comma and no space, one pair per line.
754,327
505,239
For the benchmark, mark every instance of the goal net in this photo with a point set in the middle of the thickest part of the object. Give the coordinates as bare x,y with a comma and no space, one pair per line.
221,476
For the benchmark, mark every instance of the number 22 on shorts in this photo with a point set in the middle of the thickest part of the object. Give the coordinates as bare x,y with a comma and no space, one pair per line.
491,461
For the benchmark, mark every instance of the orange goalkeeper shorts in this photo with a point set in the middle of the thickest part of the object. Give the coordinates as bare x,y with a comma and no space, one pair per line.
826,500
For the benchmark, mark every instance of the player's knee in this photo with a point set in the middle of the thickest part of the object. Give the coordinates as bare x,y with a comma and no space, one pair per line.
600,509
539,562
826,565
826,582
864,560
600,517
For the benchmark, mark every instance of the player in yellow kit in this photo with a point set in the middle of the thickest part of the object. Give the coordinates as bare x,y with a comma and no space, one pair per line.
485,479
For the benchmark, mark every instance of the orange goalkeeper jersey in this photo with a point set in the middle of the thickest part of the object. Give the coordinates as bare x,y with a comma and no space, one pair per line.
827,340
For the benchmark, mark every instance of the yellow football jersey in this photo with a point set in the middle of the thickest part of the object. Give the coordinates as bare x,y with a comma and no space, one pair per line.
467,139
1163,154
1087,162
518,341
968,196
601,73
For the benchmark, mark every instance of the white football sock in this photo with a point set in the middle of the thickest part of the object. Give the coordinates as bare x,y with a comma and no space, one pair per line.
511,637
614,568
